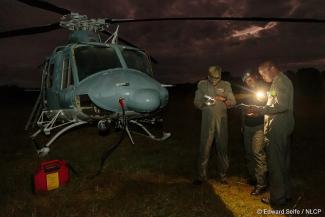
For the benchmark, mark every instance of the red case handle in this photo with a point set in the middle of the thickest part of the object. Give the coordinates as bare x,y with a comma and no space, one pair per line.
51,163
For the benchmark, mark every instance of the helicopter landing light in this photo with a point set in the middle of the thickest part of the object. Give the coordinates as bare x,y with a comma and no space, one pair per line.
167,85
122,84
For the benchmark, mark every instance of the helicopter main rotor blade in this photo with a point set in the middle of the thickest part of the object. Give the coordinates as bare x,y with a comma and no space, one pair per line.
30,30
130,44
46,6
252,19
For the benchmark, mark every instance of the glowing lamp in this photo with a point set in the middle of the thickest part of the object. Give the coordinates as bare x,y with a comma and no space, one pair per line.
260,95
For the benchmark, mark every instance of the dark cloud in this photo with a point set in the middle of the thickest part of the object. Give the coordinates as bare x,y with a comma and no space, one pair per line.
184,49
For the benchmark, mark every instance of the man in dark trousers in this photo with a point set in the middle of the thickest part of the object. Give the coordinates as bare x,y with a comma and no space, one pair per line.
278,125
253,132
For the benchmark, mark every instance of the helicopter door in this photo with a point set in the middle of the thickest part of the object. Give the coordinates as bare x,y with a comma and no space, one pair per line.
53,83
66,93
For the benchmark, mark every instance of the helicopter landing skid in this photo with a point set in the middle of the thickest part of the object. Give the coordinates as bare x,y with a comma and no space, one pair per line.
46,149
165,135
46,126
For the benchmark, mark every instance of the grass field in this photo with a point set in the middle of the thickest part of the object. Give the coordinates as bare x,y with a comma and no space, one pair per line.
152,178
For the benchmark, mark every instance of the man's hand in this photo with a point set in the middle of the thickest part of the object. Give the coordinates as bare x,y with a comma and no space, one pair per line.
228,103
220,98
253,111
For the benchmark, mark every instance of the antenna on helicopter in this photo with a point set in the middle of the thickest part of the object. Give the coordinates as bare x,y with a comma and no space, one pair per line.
115,36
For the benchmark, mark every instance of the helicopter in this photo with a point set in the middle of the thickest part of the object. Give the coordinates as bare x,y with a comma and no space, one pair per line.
84,82
91,80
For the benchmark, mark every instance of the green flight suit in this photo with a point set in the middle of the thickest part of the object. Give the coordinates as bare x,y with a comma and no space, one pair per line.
213,125
278,125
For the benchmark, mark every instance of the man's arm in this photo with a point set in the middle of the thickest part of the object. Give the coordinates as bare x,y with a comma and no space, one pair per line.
282,97
230,101
281,100
199,96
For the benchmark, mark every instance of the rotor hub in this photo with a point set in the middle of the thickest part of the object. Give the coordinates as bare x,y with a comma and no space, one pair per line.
77,22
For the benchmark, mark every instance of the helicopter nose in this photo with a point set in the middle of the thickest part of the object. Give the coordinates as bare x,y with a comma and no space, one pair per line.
144,100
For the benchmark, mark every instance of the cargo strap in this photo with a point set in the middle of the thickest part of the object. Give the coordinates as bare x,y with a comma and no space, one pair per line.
74,171
110,151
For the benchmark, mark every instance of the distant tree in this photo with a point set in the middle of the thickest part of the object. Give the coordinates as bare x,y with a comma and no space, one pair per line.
11,93
309,82
236,84
292,76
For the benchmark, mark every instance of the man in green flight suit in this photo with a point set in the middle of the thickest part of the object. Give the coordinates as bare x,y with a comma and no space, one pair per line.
278,125
213,96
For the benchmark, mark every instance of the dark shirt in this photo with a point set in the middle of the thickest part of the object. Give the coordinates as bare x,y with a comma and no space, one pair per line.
250,99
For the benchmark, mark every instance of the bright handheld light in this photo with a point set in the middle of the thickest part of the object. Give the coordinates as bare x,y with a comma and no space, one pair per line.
209,100
260,95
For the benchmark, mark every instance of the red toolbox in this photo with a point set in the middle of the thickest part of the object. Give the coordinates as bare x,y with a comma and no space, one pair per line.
51,175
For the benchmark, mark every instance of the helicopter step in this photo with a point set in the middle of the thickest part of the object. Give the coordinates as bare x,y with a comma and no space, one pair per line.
148,134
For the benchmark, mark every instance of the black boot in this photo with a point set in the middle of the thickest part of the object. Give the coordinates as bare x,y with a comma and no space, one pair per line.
251,181
224,180
258,191
197,182
267,200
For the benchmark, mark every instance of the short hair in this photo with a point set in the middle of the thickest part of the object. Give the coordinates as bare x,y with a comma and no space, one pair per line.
267,65
214,71
246,75
215,68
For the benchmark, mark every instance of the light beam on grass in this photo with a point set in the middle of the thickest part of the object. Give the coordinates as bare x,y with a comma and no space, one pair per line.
236,197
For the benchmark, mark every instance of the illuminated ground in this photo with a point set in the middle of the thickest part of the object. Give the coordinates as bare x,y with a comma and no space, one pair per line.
152,178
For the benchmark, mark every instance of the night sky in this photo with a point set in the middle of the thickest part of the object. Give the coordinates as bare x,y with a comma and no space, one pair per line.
184,49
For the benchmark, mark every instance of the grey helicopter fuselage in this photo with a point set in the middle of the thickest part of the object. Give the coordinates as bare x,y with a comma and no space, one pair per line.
87,79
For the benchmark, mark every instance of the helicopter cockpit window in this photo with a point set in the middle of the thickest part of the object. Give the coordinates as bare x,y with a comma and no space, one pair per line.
91,60
137,60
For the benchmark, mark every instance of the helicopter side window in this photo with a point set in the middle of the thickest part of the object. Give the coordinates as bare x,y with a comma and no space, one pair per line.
91,60
137,60
66,74
49,82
